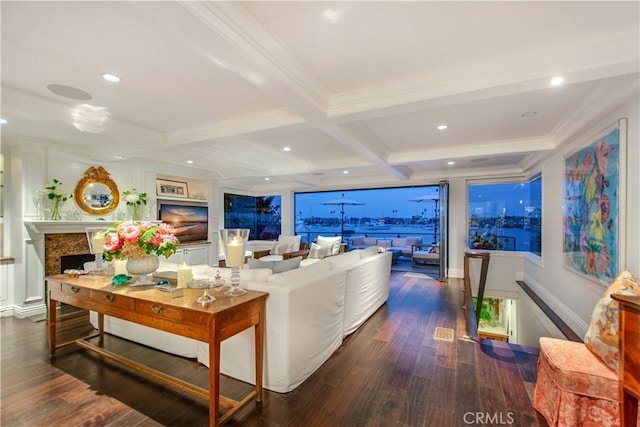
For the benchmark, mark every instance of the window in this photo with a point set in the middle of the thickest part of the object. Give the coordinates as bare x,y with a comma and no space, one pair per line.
506,216
261,215
383,213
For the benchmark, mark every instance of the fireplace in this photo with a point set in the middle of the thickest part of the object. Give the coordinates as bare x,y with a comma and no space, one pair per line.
72,246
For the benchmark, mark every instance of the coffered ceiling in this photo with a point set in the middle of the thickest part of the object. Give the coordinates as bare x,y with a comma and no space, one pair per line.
347,86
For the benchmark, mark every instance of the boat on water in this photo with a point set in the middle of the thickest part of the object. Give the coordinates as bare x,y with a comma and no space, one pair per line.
379,225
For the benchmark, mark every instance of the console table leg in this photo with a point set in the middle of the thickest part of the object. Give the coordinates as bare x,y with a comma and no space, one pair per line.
52,307
214,376
259,350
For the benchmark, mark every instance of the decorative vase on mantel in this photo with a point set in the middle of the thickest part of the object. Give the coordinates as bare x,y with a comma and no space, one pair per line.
134,212
141,267
56,204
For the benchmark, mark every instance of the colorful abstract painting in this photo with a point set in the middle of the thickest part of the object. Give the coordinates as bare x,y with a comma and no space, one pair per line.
592,208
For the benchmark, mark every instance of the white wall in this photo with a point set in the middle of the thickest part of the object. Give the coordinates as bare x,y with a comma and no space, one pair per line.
571,296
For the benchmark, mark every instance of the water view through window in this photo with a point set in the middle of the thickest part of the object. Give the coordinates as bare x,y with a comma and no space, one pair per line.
382,213
261,215
506,217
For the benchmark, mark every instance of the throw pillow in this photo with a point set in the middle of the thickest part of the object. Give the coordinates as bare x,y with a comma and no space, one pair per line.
332,242
257,263
286,265
602,336
279,248
293,242
276,266
318,251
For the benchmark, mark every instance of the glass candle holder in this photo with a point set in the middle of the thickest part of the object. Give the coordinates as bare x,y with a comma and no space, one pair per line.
234,242
95,238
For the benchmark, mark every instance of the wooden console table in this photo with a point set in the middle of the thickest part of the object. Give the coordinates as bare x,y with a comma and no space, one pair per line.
629,369
183,316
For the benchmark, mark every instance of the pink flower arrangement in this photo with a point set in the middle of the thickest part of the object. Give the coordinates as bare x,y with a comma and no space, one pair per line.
131,239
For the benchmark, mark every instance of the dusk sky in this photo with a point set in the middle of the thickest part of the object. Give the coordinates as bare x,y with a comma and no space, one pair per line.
377,203
380,203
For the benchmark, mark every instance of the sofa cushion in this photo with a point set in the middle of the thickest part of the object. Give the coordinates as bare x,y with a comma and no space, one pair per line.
332,242
370,241
357,241
276,266
602,336
384,243
413,240
318,251
399,242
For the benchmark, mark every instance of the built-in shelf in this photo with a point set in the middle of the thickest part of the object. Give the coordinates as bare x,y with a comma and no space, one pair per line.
182,199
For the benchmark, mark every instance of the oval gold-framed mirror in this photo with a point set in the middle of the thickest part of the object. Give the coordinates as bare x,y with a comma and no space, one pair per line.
96,193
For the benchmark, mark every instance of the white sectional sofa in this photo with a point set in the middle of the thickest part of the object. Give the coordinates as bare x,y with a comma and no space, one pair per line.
309,311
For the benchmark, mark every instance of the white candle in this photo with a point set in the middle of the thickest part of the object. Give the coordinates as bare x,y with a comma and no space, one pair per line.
184,275
235,254
97,242
119,266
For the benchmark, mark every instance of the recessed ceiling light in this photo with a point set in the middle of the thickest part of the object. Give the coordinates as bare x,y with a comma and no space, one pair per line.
557,81
4,121
110,77
119,157
267,179
286,148
529,114
345,172
451,162
442,127
190,162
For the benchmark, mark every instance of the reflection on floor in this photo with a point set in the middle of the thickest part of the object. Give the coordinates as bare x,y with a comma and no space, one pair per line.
404,264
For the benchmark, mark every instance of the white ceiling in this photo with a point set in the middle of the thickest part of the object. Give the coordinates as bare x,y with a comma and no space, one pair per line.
357,86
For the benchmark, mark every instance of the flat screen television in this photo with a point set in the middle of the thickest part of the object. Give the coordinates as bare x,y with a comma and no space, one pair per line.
190,221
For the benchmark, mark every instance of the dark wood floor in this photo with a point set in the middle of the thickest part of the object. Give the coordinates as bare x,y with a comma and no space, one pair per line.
389,372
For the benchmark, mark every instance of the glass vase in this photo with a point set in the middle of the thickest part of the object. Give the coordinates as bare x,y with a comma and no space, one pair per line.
134,211
56,204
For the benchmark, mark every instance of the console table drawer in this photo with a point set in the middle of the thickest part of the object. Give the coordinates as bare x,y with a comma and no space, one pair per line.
75,290
159,309
110,299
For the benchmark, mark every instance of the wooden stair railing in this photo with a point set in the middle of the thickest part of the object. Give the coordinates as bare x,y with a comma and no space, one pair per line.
471,328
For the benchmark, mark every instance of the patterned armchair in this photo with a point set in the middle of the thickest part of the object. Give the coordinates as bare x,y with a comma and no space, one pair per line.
578,383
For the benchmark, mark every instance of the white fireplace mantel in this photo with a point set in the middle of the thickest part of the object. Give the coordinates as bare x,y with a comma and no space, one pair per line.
36,227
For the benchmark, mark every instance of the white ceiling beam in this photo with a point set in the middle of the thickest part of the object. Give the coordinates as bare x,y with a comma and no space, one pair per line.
487,149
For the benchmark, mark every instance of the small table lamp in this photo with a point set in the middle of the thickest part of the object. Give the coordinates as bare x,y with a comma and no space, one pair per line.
234,243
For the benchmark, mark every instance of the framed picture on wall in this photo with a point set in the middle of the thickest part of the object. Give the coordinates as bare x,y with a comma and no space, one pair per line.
165,187
594,205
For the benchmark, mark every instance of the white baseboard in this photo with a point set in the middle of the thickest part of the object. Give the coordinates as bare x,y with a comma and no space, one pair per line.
22,312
